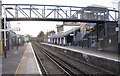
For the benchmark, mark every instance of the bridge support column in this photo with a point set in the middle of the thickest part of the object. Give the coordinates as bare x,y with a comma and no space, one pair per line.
1,47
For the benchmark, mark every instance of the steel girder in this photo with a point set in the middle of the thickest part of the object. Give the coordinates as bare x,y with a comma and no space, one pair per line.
36,11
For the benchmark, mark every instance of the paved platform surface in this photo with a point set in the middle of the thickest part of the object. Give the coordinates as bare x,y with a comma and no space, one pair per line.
10,63
0,65
97,53
28,63
21,61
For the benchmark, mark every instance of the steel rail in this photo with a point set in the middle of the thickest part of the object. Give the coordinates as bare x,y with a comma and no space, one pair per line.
55,62
101,69
55,58
44,71
81,70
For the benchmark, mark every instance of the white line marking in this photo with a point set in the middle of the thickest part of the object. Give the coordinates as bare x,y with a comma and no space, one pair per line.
36,60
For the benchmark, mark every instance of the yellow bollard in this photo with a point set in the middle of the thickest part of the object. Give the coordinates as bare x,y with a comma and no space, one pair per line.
1,48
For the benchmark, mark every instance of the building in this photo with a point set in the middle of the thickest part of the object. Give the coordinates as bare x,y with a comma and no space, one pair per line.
99,36
66,35
47,36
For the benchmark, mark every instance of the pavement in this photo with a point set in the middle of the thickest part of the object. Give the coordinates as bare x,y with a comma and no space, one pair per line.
0,65
10,64
28,64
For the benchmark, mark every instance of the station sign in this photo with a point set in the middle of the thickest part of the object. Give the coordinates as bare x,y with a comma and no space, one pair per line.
71,34
117,29
4,30
15,29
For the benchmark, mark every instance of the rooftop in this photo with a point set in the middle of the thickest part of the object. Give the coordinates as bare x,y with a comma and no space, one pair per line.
65,33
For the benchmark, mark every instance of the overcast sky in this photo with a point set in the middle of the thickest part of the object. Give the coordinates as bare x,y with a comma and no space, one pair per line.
33,28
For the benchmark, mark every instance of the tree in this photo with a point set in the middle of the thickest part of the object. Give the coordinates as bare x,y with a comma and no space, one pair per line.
41,36
41,33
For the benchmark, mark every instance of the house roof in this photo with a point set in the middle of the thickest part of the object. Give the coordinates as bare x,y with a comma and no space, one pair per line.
98,6
70,31
65,33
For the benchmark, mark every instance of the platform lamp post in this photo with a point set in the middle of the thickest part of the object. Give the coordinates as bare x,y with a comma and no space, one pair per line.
17,36
5,44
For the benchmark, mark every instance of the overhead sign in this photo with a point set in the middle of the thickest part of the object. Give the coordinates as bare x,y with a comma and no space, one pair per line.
15,29
11,29
4,30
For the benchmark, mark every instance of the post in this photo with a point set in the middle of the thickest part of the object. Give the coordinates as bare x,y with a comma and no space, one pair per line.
17,42
1,47
5,44
64,41
119,27
60,40
57,41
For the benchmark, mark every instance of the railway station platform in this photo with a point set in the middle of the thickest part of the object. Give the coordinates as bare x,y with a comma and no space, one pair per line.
21,62
106,60
101,54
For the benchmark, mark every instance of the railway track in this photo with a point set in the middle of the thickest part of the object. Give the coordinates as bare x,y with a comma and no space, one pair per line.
95,69
61,63
47,65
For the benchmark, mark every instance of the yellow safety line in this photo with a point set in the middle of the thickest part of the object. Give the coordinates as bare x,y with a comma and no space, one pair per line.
19,64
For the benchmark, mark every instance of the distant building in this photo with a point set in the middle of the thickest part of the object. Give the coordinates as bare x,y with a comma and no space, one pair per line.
48,34
26,38
65,34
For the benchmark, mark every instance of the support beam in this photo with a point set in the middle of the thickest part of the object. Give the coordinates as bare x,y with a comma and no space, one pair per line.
64,41
60,40
57,41
1,47
54,40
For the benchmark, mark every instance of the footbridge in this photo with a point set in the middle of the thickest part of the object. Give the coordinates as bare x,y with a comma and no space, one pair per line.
37,12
